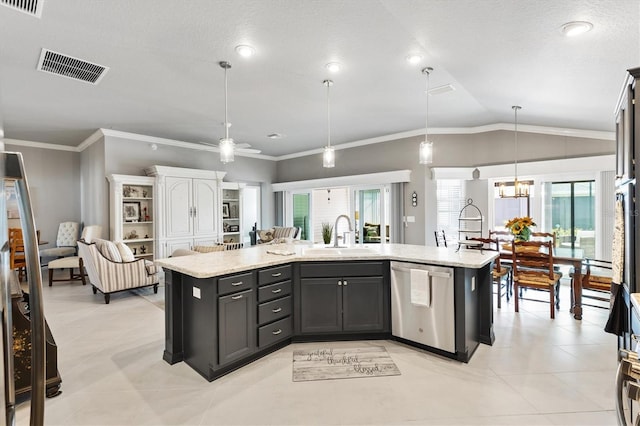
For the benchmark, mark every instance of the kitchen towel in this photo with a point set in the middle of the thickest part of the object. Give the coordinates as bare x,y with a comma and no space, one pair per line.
420,288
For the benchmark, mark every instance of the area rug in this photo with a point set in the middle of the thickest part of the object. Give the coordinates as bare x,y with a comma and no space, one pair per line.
342,363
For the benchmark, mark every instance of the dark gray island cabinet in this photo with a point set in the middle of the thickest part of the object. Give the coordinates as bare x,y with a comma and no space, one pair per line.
217,322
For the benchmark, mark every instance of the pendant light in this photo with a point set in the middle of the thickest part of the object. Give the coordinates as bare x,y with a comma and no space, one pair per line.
227,146
329,154
426,147
520,188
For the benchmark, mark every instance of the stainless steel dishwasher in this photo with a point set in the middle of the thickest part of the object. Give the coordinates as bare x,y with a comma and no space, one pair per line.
431,323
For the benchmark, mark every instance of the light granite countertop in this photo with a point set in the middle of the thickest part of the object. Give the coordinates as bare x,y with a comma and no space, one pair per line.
635,300
206,265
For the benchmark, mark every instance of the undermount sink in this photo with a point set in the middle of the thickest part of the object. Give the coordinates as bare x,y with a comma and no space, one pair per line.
339,251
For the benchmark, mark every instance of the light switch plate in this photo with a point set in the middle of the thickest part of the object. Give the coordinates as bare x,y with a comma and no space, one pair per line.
196,292
411,219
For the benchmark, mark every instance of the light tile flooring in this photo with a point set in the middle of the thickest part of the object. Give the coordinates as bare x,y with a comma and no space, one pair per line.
538,372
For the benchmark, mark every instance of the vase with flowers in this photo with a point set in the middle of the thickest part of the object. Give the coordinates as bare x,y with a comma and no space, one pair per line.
520,227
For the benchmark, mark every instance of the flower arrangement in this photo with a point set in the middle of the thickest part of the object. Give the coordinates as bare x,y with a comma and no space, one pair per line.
520,227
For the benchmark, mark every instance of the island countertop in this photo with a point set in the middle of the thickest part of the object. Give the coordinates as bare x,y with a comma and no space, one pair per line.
207,265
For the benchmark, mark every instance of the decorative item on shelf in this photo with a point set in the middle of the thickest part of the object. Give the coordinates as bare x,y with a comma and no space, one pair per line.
132,235
234,211
225,227
135,251
327,232
144,193
146,235
520,227
131,211
127,191
234,228
143,249
225,210
145,216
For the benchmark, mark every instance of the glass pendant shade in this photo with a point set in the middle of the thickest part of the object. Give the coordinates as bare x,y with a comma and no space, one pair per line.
426,152
226,150
329,157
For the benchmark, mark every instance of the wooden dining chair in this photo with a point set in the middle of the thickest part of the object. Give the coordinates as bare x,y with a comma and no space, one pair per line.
533,268
596,276
17,257
544,236
441,238
500,274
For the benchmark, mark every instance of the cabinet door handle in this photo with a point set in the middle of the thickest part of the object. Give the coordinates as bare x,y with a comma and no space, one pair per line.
344,283
278,331
339,282
236,297
236,284
276,291
277,274
190,211
194,212
276,310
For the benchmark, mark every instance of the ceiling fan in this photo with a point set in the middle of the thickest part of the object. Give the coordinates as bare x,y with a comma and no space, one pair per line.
237,147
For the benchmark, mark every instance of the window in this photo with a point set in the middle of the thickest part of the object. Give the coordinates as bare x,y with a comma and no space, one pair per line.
450,200
573,215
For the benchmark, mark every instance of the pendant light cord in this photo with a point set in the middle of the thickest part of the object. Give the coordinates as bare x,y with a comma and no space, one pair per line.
426,117
328,83
226,121
516,108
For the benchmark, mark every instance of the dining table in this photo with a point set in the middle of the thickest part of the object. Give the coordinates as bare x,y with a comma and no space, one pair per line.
572,256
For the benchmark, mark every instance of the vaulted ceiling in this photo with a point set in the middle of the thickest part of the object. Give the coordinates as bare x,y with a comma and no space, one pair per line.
164,79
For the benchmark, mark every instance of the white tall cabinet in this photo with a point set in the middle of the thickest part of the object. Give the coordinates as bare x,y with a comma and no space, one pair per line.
132,217
188,206
232,212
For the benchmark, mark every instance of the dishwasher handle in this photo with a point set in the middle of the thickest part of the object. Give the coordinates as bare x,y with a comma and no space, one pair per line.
431,273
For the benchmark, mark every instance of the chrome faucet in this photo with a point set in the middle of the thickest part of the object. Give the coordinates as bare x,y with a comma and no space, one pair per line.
335,227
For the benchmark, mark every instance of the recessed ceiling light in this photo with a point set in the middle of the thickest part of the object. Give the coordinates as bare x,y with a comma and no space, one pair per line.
245,50
414,59
274,136
333,67
571,29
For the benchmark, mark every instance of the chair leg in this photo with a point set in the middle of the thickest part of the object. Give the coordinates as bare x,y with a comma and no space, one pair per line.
499,282
558,295
107,298
82,272
516,298
552,296
95,290
50,277
155,288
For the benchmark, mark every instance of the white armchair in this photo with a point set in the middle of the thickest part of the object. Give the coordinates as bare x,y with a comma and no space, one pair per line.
108,273
65,241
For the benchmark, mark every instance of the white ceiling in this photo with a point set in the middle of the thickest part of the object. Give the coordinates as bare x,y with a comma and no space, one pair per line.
164,79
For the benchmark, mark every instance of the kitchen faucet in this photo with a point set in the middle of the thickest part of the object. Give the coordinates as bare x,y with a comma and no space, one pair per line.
335,227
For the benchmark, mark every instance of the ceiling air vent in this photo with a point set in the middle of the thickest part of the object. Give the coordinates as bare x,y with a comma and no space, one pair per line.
30,7
70,67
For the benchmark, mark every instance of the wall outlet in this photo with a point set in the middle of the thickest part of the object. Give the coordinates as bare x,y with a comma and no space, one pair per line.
410,219
196,292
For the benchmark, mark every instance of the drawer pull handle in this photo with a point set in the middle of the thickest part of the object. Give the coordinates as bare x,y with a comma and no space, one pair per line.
344,283
277,274
278,331
276,310
237,284
276,291
236,297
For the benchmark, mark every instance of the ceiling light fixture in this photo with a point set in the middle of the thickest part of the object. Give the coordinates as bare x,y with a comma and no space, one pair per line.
245,50
414,58
226,144
426,147
333,67
274,136
571,29
520,188
329,154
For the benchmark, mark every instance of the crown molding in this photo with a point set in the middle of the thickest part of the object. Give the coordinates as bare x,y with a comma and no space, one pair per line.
555,131
42,145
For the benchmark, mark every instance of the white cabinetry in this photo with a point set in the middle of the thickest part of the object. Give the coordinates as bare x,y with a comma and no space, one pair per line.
132,215
188,203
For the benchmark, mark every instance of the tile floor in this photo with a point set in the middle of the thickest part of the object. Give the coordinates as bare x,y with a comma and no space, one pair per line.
538,372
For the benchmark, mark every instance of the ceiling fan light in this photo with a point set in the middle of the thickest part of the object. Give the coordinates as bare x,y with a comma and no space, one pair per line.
227,150
426,152
329,157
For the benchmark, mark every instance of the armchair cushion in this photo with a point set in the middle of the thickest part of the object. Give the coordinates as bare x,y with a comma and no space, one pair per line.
126,255
266,235
108,249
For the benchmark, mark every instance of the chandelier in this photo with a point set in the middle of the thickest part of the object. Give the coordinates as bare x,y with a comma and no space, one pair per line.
329,154
520,188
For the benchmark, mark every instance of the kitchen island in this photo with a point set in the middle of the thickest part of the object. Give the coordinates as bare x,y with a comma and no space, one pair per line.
226,309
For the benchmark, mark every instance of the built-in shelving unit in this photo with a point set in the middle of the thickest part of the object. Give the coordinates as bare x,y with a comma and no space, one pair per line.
231,212
132,213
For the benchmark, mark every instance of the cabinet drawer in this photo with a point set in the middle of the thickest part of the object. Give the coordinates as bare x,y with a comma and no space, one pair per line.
235,283
346,269
275,332
273,291
274,310
272,275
